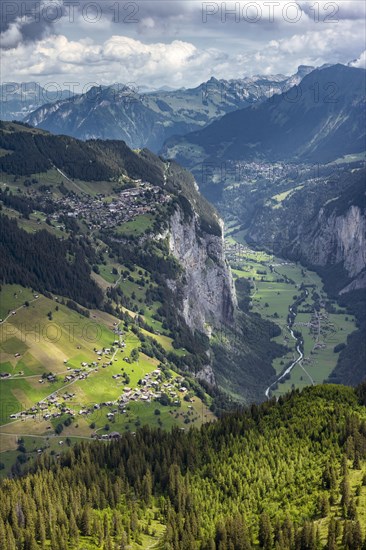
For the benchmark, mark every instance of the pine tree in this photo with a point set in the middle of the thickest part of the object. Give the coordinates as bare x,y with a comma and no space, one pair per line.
85,521
265,531
357,536
10,539
307,537
2,534
147,488
30,542
332,539
347,538
73,529
105,526
352,510
123,541
210,545
221,537
345,495
323,505
356,461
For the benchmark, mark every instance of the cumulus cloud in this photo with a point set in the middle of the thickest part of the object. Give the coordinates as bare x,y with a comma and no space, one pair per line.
360,62
334,11
28,21
12,36
118,58
177,63
169,44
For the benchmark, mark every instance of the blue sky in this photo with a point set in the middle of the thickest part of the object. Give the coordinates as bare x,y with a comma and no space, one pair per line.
173,43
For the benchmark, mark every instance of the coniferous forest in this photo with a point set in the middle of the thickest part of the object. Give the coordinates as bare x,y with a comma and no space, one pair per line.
232,341
288,475
46,263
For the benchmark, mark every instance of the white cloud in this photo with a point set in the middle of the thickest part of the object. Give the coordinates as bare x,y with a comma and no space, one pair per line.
360,62
177,62
118,58
12,36
339,10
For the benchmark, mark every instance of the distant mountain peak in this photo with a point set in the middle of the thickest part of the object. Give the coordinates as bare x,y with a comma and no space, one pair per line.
319,121
305,69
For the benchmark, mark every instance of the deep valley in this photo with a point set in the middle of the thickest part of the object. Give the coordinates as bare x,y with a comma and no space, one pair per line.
183,288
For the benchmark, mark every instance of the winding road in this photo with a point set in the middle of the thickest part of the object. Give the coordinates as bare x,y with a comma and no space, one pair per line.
15,310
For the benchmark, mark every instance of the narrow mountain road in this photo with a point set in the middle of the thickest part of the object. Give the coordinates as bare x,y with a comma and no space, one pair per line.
307,374
68,179
118,280
17,309
20,377
48,436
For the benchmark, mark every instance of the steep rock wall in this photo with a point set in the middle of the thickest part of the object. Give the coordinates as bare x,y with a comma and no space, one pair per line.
207,289
338,239
319,229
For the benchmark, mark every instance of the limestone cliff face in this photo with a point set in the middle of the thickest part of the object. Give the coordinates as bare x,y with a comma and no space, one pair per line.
322,224
206,287
338,239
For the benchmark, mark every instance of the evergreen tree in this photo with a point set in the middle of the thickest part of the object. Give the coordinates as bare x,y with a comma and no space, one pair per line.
265,531
345,494
332,538
147,488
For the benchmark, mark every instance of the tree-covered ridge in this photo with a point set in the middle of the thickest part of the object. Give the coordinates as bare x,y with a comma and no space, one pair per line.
96,160
48,264
30,151
286,475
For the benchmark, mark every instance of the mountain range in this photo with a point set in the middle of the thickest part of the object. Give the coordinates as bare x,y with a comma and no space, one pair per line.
149,119
181,404
180,243
19,100
318,120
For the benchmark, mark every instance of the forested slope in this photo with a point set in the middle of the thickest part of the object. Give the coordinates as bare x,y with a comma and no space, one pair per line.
285,475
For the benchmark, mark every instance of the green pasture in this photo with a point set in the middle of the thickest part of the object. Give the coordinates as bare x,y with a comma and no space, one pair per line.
137,226
272,300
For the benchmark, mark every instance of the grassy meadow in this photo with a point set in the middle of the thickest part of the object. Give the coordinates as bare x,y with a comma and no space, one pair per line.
275,287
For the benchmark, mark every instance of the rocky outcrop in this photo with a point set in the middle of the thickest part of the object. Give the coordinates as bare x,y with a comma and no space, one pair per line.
338,239
206,287
357,284
322,224
207,375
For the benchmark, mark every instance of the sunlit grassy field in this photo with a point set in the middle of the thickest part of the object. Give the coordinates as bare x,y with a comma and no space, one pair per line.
45,336
272,299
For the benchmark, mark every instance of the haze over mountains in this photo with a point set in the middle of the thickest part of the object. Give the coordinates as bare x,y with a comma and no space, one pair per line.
192,325
19,100
285,119
147,120
183,275
319,120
